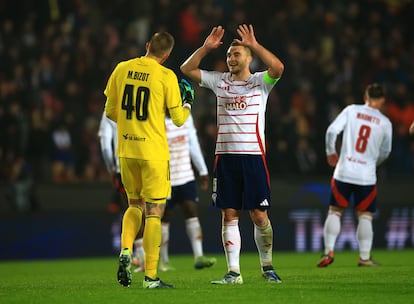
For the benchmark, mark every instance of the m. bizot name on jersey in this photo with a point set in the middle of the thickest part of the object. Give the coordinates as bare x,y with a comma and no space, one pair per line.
238,103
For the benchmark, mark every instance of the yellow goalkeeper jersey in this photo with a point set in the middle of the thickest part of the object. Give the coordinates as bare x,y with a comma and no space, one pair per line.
139,92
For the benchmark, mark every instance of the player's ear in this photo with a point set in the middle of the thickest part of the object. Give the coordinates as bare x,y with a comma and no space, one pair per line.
164,58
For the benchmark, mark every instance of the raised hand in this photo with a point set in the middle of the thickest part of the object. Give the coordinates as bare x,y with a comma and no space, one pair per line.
213,40
247,36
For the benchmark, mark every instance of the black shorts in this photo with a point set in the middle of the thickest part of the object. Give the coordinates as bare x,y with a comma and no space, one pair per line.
184,192
241,182
364,197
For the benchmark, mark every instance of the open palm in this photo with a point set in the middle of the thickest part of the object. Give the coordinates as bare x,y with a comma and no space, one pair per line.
246,34
214,39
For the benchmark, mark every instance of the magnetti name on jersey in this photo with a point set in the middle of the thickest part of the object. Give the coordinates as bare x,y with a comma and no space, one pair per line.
138,75
369,118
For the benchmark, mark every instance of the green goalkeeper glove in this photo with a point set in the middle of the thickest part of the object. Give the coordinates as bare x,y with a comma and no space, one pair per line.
186,91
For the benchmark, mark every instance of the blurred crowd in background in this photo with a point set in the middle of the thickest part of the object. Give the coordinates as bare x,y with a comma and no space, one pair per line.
56,56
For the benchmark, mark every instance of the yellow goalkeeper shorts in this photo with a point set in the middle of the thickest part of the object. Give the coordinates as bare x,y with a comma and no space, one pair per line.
147,179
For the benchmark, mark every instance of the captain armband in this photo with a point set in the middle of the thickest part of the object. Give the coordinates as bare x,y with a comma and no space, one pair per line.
268,79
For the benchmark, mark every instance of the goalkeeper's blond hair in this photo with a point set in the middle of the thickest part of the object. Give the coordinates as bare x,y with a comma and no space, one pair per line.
161,44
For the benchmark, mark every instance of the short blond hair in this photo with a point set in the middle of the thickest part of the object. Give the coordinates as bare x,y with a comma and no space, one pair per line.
161,43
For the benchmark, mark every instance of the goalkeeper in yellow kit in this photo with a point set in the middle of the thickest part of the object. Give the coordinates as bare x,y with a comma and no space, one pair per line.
139,92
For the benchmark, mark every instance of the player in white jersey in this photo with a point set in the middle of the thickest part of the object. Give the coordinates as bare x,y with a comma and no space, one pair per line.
108,141
185,151
241,179
366,143
411,129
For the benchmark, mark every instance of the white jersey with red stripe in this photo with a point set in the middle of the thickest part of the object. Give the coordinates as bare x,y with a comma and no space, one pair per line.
184,151
241,107
366,143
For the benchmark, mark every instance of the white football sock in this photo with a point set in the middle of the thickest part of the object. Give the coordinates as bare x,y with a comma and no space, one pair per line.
263,236
165,238
139,250
365,236
195,235
331,230
232,244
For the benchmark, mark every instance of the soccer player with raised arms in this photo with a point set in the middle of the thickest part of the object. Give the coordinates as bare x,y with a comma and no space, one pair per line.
241,179
139,92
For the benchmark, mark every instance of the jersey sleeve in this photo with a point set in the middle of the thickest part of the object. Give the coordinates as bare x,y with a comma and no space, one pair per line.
386,145
111,93
336,127
106,140
196,154
178,113
172,90
209,79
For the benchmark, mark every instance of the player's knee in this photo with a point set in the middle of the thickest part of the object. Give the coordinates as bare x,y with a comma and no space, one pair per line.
230,215
259,217
365,215
333,210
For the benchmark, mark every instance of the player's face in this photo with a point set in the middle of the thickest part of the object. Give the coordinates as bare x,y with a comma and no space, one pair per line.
238,59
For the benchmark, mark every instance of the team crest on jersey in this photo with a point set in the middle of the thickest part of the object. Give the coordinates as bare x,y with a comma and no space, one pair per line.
237,103
224,88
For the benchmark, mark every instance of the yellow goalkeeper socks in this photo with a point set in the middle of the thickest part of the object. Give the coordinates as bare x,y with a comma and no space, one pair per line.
131,223
152,243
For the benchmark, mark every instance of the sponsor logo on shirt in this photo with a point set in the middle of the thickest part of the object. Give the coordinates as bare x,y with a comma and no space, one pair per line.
356,160
238,103
132,137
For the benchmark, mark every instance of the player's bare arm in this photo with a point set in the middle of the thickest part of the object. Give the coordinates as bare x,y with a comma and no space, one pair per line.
248,39
411,130
190,67
204,182
213,40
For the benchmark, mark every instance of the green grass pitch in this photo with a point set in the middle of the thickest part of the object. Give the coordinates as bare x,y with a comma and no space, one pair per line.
93,280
